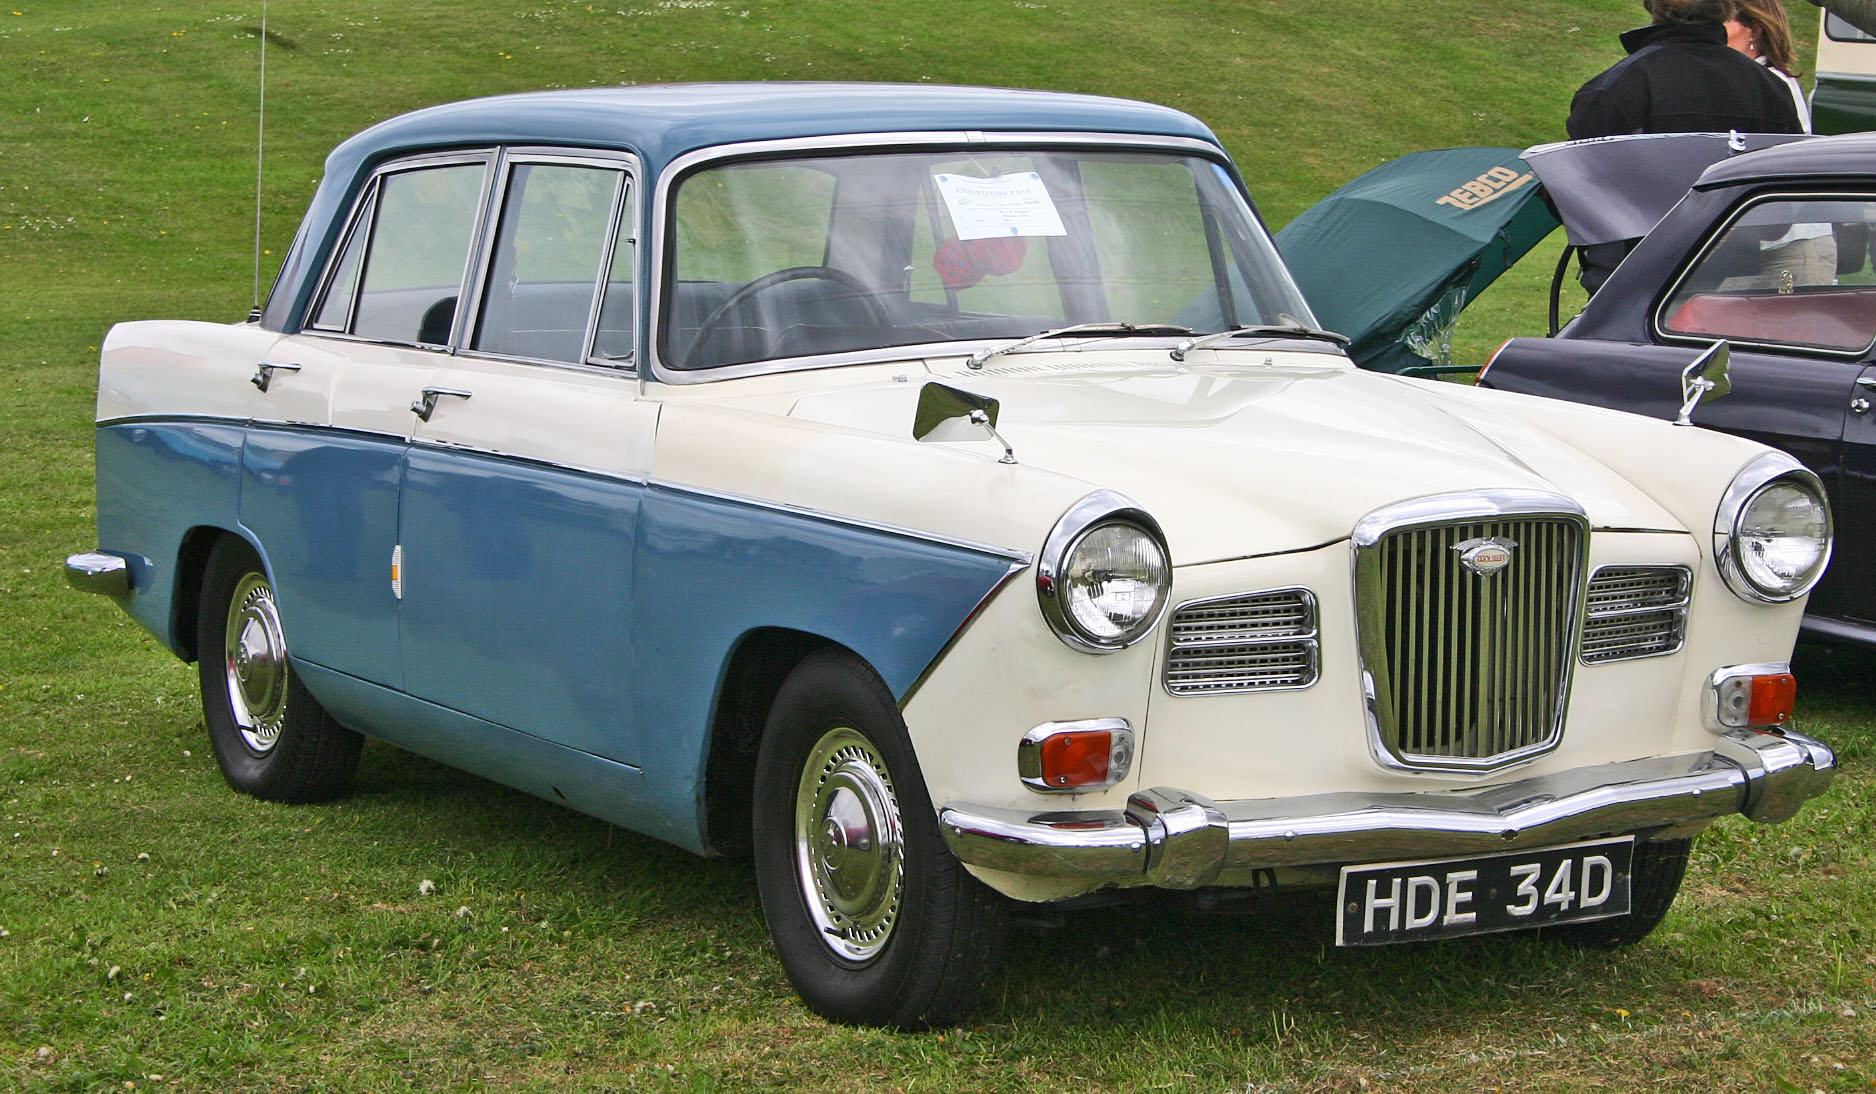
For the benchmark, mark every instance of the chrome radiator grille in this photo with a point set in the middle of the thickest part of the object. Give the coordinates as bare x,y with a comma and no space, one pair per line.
1250,642
1467,632
1635,611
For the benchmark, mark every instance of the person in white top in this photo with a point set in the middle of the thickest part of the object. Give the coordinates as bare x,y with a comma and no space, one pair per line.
1759,30
1807,253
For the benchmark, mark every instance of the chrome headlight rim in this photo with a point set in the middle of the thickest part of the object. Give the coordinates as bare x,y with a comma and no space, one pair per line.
1762,474
1093,512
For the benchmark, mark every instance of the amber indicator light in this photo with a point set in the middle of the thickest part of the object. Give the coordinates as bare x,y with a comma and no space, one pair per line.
1773,698
1077,759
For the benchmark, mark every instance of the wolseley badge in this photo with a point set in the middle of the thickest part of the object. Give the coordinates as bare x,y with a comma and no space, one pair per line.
1485,557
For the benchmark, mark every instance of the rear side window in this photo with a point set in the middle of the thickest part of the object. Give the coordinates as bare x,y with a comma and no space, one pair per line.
1790,271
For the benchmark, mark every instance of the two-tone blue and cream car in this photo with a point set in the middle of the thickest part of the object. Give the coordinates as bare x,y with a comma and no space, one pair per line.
944,495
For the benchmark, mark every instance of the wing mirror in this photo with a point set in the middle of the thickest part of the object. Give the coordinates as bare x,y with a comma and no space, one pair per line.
946,413
1708,377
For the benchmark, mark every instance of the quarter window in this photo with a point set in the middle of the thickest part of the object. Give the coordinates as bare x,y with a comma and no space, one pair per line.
1790,271
618,309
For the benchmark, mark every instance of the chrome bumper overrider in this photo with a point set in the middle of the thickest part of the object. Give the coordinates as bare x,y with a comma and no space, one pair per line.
1175,839
95,572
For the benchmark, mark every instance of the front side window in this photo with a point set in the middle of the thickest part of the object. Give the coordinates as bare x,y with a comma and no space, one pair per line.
1790,271
794,258
549,244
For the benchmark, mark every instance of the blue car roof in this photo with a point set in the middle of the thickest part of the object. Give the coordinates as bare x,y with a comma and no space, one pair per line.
661,123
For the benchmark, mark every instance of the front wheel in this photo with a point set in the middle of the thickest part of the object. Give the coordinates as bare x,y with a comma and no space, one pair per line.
875,921
271,737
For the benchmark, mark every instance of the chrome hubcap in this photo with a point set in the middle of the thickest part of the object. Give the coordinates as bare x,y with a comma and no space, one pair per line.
255,663
849,848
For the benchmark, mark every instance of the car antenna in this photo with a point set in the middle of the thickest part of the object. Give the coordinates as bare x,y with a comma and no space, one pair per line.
260,151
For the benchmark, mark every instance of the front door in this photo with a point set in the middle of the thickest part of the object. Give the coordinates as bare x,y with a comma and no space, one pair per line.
522,487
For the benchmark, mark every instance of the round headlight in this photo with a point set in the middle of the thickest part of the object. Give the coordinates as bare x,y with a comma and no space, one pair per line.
1772,533
1104,575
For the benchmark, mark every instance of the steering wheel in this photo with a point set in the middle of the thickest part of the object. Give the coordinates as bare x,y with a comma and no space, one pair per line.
875,314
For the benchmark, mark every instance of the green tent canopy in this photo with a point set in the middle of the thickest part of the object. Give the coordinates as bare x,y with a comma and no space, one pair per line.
1390,258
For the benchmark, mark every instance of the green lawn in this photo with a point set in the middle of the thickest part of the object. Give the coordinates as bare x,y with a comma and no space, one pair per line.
436,932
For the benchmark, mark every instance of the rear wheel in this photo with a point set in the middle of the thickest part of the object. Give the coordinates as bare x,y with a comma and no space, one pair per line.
1654,881
874,919
271,737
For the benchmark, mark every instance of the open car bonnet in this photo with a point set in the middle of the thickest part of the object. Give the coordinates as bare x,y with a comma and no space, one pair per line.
1391,257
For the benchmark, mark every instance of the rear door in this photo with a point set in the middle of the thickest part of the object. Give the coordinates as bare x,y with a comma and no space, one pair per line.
324,459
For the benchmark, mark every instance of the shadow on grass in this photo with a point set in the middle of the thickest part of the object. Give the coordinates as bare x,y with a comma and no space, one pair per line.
1272,973
513,842
1267,973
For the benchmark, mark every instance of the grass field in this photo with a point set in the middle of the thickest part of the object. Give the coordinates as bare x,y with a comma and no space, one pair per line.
436,932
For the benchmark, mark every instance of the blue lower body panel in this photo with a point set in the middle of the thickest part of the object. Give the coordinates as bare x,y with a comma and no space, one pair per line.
156,482
603,788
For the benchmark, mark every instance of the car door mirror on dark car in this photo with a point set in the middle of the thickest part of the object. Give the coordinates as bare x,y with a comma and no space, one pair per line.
1708,377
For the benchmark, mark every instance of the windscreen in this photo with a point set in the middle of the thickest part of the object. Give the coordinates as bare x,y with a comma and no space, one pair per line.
788,258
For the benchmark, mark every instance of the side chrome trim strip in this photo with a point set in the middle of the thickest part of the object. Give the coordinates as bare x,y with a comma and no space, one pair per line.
1018,559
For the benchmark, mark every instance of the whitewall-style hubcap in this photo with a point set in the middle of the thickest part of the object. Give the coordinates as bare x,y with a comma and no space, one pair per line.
849,846
255,660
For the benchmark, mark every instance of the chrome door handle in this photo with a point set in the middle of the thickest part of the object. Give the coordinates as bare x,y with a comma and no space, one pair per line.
264,372
426,406
1867,383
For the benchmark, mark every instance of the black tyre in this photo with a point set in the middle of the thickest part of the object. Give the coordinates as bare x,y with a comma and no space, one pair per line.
271,737
875,921
1655,880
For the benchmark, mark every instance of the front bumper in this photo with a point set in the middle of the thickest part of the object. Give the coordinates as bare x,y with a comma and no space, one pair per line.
1175,839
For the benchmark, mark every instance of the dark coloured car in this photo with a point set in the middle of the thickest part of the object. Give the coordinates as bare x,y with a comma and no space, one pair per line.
1770,253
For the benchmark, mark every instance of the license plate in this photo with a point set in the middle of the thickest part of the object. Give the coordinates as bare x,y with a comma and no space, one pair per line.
1389,902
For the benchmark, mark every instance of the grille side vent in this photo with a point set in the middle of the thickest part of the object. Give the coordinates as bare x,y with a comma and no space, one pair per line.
1261,641
1635,611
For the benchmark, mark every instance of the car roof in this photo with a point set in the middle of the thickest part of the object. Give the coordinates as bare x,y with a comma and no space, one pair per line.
660,123
1849,154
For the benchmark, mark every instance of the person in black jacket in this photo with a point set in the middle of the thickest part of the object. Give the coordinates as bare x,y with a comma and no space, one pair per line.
1680,76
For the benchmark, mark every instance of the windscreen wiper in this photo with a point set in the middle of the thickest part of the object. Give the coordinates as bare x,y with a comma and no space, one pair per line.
1092,330
1274,330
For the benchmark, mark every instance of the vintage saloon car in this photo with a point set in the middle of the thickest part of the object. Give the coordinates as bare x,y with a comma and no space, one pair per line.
943,495
1770,253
